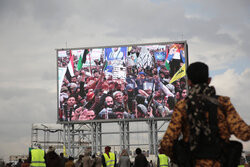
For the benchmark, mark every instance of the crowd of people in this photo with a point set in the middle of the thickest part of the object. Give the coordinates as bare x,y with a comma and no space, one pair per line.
106,159
145,91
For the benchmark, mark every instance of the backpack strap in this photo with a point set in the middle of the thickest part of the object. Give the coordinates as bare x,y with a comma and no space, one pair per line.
209,146
213,121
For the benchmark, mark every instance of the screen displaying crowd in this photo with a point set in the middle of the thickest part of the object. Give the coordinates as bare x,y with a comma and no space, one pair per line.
131,82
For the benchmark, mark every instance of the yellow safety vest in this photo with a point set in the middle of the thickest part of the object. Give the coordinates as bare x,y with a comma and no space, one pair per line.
163,160
37,158
110,161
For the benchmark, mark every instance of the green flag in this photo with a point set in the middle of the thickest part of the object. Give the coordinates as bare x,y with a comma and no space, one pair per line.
79,64
82,59
167,65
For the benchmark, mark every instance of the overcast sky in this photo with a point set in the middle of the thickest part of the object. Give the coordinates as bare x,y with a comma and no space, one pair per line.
217,33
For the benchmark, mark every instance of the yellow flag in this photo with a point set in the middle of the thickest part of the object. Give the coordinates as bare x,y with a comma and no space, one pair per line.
64,151
179,74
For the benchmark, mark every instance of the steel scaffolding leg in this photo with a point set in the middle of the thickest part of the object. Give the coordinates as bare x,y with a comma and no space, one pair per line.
99,136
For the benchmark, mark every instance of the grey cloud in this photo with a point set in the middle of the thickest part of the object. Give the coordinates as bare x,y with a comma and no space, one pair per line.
25,105
11,132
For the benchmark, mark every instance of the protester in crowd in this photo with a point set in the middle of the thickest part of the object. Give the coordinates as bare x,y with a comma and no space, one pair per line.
69,107
52,159
25,163
178,96
107,112
63,159
37,156
190,118
124,160
184,94
140,159
108,158
19,163
97,160
90,115
118,99
79,162
70,162
86,160
151,163
162,159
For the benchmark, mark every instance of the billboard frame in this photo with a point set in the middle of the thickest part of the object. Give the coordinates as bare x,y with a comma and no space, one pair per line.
111,46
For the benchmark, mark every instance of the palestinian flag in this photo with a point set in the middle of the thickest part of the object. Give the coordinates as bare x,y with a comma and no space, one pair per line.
70,68
167,65
167,61
82,59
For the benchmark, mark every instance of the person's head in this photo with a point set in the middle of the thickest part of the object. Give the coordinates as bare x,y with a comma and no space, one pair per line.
105,87
109,101
73,87
61,155
124,152
160,151
138,151
118,96
37,146
76,73
96,74
64,89
80,157
167,74
90,115
73,79
177,84
111,86
51,149
183,83
178,96
142,75
158,98
71,159
162,75
197,73
107,149
184,93
71,101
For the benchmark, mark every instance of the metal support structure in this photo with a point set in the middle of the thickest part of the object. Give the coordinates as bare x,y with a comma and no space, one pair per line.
155,137
121,128
127,137
150,136
96,137
78,137
99,137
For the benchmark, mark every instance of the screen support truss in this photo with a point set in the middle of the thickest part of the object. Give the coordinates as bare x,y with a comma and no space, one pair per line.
76,138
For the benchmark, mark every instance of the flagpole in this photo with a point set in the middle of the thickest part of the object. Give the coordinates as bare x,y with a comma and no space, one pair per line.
90,64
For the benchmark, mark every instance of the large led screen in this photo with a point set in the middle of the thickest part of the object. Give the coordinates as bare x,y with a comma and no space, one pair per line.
123,82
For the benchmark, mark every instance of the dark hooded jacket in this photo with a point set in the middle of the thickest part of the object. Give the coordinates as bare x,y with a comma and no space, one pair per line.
52,159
